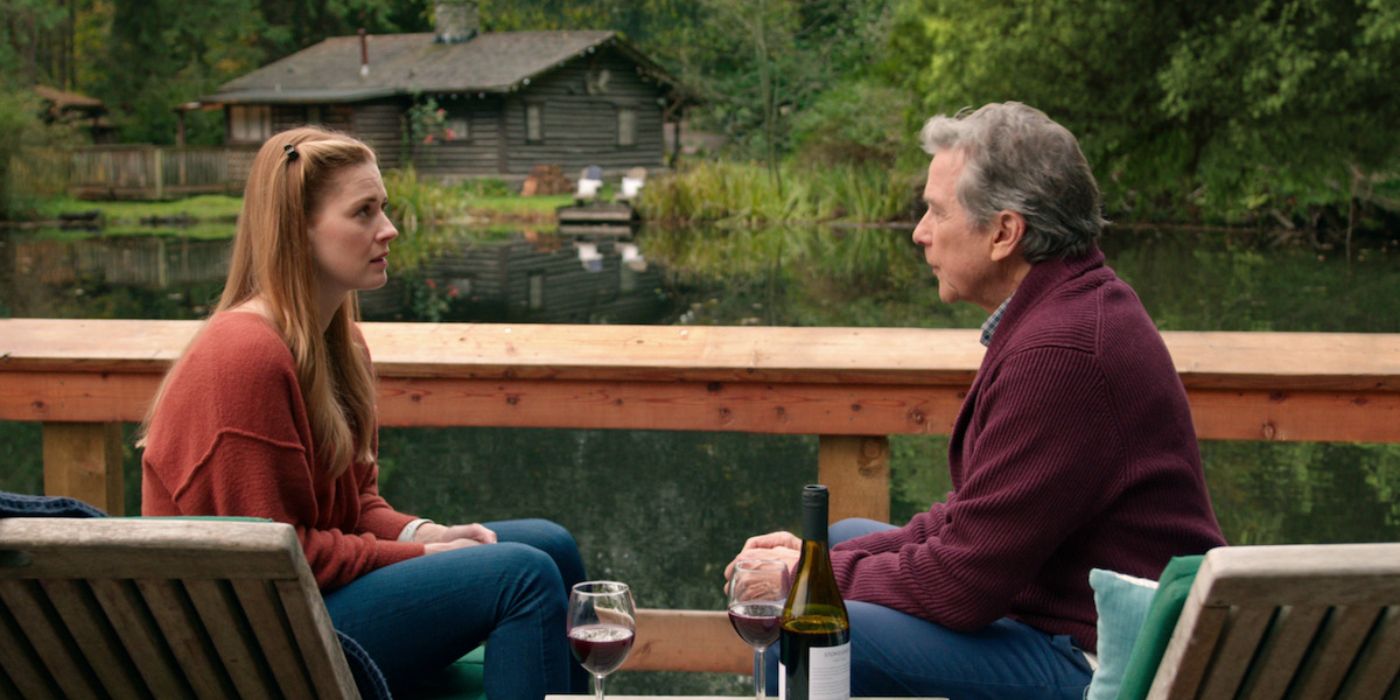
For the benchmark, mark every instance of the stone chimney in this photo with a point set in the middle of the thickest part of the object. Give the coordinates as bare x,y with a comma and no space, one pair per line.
455,21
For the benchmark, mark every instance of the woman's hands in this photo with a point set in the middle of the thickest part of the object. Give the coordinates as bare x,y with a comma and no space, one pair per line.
442,538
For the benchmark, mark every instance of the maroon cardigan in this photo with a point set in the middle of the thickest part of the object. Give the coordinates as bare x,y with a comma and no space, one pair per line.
1073,450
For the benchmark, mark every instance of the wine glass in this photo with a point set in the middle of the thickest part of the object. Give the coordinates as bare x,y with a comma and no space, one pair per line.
758,589
602,624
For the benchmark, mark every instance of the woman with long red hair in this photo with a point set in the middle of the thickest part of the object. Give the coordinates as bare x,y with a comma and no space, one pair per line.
270,413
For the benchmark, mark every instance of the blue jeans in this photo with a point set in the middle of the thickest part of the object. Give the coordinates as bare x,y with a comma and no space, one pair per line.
418,616
894,654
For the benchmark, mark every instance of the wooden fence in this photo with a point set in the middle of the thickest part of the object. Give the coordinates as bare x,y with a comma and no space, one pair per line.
156,172
851,386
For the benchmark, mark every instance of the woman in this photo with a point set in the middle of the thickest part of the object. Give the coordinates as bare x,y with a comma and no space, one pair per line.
270,413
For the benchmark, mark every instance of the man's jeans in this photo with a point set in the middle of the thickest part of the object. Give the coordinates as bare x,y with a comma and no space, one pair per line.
894,654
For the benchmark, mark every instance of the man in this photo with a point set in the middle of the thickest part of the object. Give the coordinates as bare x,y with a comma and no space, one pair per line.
1074,448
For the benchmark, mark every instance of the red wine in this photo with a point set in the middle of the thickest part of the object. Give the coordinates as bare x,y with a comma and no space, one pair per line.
600,648
756,623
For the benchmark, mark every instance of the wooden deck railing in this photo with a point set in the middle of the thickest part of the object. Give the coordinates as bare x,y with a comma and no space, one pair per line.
853,387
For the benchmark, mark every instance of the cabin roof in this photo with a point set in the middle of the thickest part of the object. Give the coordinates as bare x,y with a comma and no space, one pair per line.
407,64
63,99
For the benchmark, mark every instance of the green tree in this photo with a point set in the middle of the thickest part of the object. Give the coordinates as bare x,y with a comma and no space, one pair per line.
1288,96
166,52
1228,111
34,40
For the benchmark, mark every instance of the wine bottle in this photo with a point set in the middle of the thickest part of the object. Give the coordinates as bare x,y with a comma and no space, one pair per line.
816,634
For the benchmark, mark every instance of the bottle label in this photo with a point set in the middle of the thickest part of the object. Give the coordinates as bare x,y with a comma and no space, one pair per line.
829,672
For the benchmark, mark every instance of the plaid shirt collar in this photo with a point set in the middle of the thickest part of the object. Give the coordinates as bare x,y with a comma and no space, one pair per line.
989,327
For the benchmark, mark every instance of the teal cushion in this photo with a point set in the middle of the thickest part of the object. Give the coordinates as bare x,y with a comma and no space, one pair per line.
1157,627
1122,602
463,680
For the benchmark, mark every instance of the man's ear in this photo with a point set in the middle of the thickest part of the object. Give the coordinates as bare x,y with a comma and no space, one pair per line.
1008,229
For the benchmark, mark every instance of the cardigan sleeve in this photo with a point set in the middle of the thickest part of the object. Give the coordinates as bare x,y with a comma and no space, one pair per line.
1046,445
922,527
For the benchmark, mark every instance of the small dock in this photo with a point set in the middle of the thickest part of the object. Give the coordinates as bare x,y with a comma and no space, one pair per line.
598,218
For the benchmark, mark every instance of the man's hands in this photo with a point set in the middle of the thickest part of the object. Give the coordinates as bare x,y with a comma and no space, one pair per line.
774,545
441,538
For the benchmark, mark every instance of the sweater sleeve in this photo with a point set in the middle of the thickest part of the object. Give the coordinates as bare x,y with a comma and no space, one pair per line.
244,451
376,515
1046,445
921,527
250,475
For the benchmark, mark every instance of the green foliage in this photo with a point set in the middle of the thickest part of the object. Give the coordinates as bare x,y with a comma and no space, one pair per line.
855,122
17,118
415,205
29,43
425,125
205,207
1239,111
430,301
31,165
170,52
739,194
1287,95
734,193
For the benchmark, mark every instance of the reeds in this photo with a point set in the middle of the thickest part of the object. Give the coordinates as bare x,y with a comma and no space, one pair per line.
746,194
415,202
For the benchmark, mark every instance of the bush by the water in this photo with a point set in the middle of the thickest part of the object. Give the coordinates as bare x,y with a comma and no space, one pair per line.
748,194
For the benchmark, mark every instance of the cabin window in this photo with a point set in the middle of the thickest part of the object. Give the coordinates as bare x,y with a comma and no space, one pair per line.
534,123
536,290
626,127
250,124
460,129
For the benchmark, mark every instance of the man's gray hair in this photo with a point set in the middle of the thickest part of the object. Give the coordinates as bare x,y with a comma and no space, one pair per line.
1020,160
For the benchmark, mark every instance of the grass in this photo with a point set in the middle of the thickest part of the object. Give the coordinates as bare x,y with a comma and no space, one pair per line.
516,207
215,207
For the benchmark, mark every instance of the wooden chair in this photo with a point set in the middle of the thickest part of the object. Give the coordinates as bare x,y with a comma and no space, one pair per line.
162,608
1296,621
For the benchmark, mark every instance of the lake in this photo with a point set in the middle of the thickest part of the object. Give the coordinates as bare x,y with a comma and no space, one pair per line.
666,510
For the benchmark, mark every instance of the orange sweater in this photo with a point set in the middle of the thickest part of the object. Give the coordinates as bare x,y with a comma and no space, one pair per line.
232,437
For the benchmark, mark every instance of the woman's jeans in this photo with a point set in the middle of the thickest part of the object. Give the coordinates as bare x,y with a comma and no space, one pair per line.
894,654
418,616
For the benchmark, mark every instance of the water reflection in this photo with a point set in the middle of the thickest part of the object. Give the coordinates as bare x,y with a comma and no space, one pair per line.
527,277
522,276
690,498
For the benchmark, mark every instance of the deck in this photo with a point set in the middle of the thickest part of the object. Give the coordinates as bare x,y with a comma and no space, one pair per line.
853,387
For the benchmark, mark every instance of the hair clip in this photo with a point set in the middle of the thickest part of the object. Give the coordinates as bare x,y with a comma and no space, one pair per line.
291,151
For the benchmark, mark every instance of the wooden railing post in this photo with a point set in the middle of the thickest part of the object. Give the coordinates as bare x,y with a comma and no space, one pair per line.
157,172
84,461
857,470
